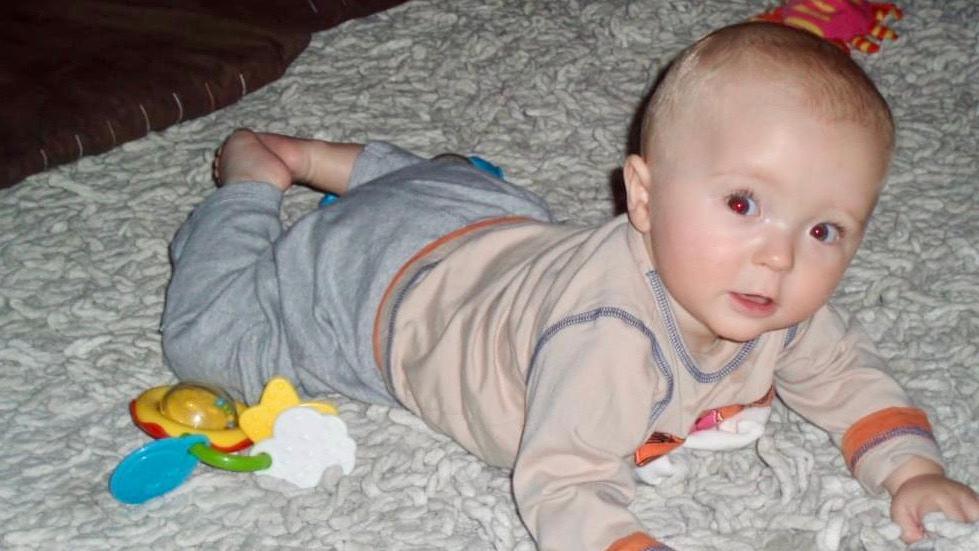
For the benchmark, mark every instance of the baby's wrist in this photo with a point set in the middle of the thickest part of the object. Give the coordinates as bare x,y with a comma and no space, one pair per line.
914,467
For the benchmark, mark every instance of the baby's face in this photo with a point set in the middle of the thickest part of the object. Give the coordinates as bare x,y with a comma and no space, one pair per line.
756,210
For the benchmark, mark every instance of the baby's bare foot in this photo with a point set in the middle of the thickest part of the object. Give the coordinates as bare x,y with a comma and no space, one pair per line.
295,153
321,165
244,158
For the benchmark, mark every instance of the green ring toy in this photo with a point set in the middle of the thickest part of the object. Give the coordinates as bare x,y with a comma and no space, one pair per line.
238,463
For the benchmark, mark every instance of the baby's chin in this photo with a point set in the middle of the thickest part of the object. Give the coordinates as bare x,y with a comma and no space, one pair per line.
745,334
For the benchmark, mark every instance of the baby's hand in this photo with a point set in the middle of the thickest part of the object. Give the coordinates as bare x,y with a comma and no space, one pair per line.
930,492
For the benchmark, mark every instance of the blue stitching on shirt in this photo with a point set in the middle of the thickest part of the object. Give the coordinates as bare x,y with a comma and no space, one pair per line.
395,306
790,334
885,436
628,319
664,306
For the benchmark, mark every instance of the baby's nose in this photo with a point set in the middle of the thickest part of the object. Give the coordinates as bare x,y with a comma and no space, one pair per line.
776,252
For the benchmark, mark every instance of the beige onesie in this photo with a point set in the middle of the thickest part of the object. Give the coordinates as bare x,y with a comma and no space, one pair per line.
553,350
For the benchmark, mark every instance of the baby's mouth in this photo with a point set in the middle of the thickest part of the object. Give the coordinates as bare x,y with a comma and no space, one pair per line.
757,299
752,304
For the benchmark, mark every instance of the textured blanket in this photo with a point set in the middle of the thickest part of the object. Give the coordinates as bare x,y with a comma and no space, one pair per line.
547,90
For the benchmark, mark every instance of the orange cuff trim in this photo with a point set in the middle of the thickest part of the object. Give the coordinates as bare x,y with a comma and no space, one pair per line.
880,426
638,541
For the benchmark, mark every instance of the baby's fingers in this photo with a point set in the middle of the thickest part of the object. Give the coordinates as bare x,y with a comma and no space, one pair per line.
908,519
961,505
966,509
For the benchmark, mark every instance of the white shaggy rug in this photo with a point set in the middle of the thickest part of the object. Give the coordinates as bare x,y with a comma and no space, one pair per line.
546,89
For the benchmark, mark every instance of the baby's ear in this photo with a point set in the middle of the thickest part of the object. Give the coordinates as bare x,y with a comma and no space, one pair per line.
638,183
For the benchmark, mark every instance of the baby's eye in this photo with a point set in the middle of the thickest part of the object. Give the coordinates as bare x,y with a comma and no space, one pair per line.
742,203
826,232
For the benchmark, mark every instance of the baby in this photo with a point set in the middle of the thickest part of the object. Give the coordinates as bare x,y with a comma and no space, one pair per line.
580,357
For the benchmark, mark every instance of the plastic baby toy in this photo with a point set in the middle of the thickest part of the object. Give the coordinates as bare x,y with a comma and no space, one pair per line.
194,422
196,408
846,23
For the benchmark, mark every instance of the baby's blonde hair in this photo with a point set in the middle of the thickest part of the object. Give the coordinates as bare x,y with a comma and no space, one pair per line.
831,83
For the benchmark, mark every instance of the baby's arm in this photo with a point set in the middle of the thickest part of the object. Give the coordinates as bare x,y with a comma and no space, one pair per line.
591,391
918,487
833,376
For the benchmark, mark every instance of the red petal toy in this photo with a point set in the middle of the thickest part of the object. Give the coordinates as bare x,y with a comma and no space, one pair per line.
846,23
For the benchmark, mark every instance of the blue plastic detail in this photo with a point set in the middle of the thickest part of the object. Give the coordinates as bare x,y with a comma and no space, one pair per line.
329,199
486,166
155,469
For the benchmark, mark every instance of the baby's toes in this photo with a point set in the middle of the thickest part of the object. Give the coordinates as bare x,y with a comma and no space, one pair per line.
216,165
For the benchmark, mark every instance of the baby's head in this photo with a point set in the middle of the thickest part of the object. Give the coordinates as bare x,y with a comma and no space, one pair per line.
764,149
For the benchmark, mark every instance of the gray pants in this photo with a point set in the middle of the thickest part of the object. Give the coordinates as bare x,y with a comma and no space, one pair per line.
249,300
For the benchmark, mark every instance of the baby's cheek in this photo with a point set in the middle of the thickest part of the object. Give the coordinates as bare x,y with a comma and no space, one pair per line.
812,290
715,244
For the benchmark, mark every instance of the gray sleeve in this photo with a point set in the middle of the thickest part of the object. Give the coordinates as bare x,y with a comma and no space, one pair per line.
378,159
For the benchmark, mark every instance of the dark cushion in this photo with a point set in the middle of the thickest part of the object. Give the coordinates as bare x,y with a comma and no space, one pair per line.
79,77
